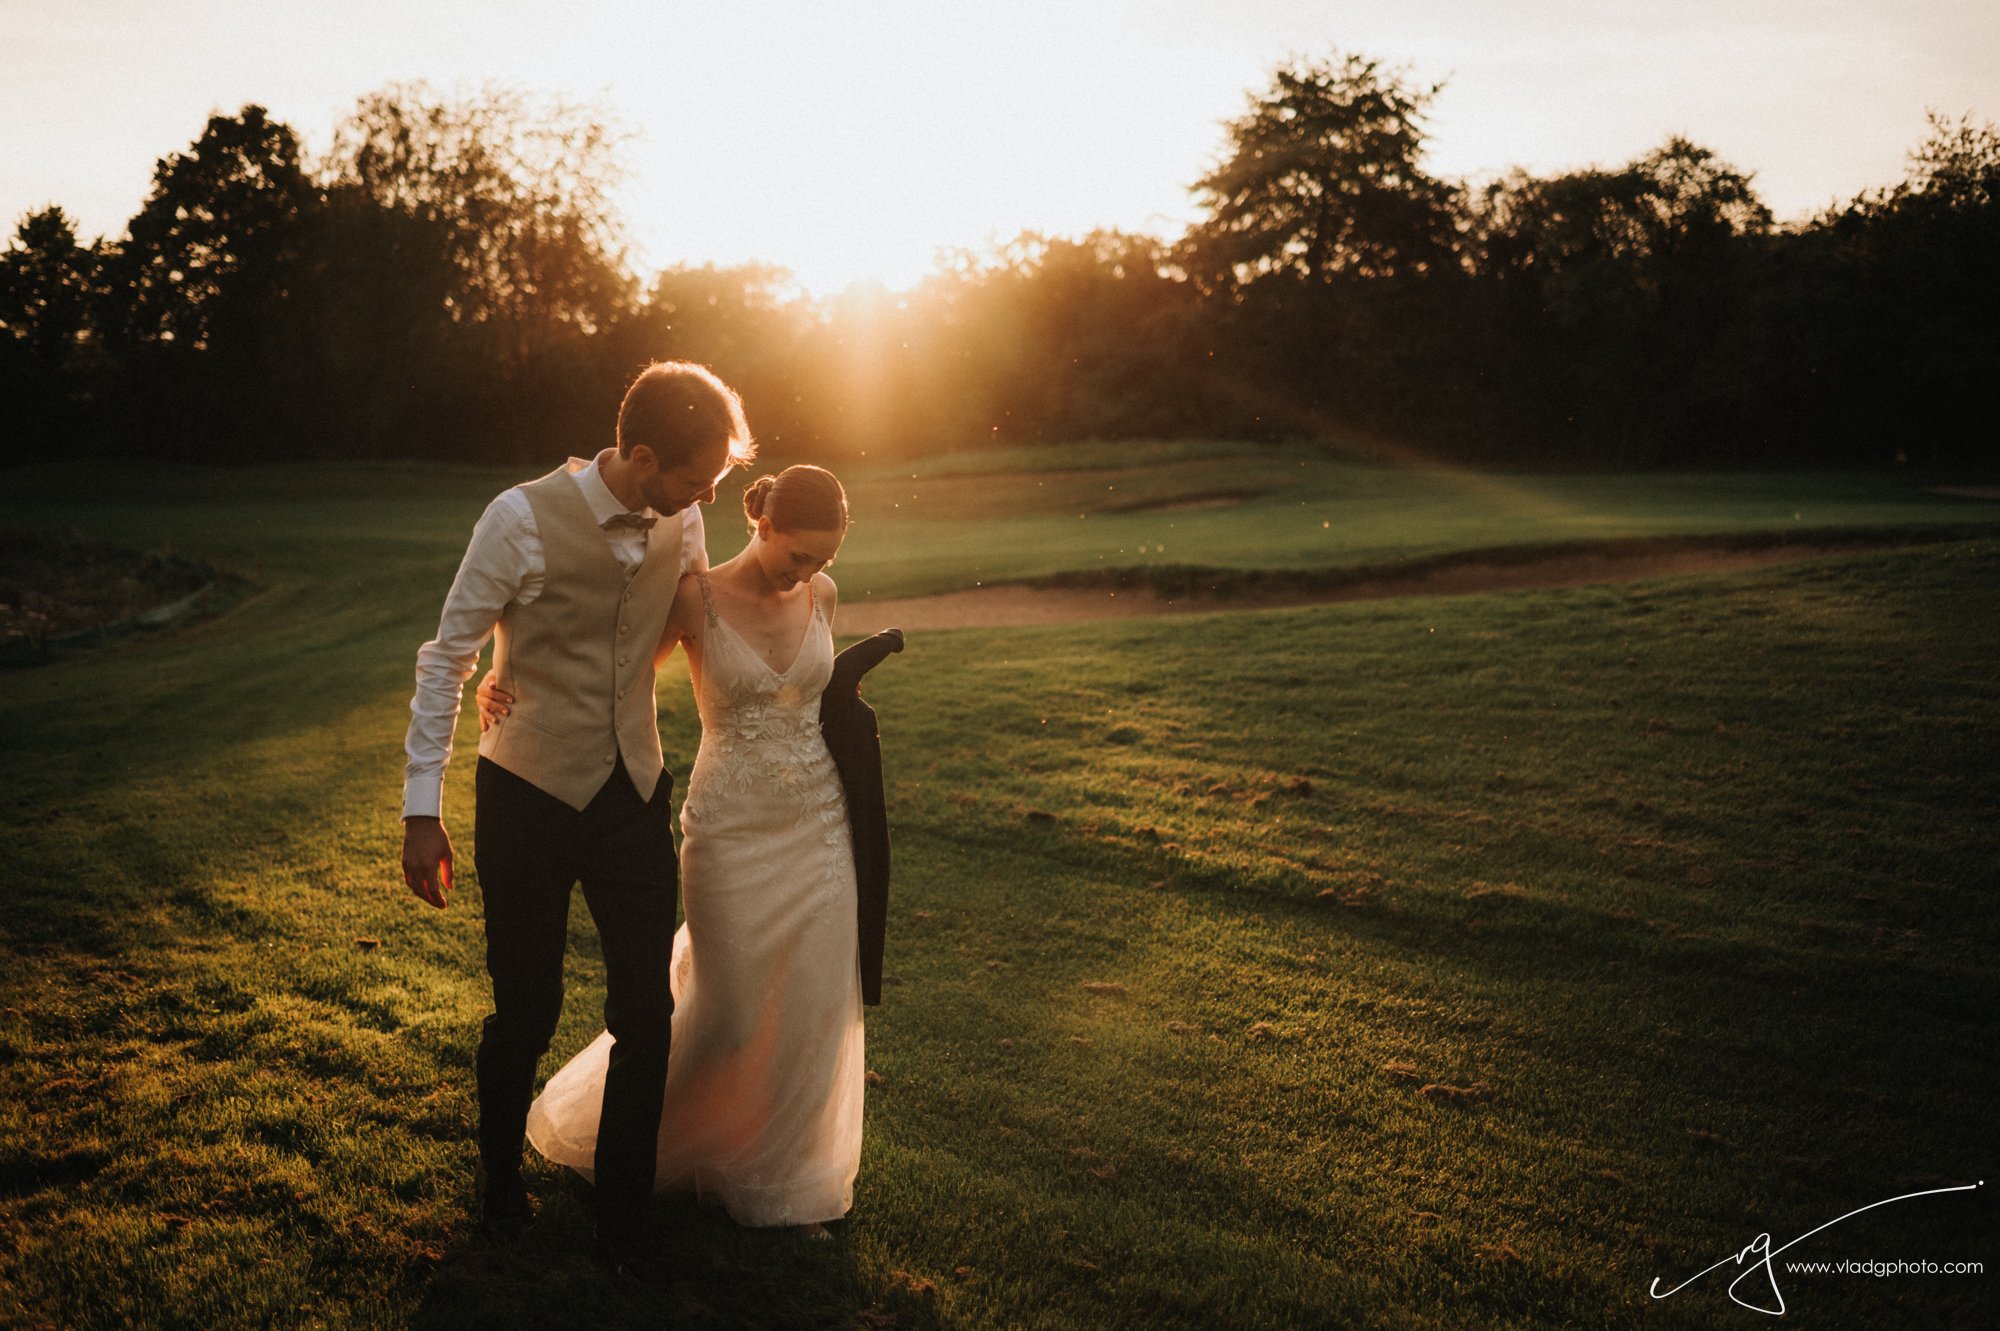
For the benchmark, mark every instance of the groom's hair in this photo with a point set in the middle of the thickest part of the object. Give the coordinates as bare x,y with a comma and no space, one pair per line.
678,409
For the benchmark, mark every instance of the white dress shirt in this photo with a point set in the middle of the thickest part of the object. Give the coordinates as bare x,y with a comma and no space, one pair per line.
505,565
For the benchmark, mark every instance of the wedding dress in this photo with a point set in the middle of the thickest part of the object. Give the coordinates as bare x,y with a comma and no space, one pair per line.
765,1078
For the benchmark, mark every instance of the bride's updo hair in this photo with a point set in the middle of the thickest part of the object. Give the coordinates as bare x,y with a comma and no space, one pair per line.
802,498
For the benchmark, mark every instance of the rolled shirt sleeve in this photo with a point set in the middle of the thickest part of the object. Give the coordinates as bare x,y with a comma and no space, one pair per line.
497,566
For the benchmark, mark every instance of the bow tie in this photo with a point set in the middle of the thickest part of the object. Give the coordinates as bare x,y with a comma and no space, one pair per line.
632,520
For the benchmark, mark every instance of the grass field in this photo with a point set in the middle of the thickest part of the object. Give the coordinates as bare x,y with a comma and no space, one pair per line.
965,519
1454,963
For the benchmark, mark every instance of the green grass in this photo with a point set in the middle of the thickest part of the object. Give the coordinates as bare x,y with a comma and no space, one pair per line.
993,517
969,519
1689,881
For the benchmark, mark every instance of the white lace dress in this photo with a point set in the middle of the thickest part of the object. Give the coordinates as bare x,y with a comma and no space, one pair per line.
765,1078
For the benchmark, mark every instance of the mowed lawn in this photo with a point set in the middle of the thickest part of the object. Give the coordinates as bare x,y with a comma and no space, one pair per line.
1461,963
969,519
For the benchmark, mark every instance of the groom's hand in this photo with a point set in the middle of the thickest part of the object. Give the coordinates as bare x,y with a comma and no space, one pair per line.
427,858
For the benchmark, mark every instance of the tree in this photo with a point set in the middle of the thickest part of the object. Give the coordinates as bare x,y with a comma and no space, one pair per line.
738,320
1894,300
730,317
1323,177
46,280
470,261
1957,166
514,195
1075,337
197,311
46,286
1677,205
1617,293
208,255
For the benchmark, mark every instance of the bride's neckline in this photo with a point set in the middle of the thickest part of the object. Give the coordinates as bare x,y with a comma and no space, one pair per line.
798,653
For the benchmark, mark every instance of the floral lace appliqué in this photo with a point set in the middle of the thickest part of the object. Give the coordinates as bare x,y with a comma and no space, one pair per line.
760,730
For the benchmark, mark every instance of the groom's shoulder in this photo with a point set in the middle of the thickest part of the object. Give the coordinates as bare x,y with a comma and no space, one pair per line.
520,488
508,516
515,496
512,502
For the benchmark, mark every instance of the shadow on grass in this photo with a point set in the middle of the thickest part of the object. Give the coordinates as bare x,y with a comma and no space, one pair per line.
1613,1088
716,1274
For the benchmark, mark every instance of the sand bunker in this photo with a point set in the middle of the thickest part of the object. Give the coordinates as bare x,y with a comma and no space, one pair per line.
1007,607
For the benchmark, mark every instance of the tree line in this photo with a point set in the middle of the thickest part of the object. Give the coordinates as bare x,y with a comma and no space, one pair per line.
450,280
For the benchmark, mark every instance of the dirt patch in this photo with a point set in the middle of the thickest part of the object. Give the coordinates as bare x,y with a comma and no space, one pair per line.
1968,491
60,592
1013,606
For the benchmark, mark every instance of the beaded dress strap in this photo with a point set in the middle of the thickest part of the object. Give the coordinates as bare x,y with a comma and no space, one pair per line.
707,600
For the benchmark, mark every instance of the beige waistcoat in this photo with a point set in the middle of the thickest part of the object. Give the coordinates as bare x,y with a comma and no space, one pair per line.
579,658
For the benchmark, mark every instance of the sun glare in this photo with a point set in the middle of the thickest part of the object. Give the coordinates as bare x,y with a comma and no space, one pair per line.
855,143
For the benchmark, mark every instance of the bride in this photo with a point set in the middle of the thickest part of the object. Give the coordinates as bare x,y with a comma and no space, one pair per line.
765,1074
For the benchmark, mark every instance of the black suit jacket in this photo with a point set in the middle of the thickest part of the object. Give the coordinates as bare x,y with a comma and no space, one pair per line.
852,738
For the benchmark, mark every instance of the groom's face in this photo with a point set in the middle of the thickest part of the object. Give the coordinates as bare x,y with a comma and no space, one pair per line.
671,489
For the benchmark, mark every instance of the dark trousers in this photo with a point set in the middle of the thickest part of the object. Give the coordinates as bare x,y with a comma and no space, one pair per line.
530,848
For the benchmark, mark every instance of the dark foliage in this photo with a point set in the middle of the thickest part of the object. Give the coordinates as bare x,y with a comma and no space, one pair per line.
451,282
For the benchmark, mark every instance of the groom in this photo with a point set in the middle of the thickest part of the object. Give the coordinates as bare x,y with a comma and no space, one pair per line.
572,576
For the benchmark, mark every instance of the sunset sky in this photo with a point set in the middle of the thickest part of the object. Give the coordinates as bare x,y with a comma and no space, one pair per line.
857,140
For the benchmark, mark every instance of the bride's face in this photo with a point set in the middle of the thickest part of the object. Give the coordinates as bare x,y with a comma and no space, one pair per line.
792,557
